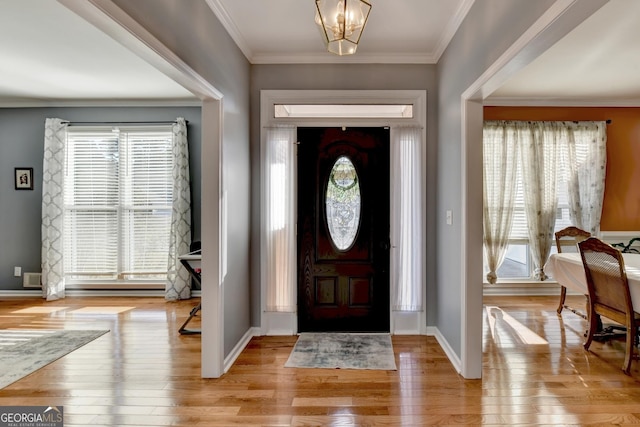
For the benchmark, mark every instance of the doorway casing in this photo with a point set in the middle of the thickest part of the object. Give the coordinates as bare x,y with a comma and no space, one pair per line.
286,323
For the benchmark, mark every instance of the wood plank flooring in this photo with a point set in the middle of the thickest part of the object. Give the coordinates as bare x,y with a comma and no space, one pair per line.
143,373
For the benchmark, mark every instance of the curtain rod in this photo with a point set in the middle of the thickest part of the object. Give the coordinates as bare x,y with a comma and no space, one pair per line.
608,121
167,122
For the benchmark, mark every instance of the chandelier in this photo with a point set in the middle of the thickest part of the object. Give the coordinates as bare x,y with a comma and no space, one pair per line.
341,23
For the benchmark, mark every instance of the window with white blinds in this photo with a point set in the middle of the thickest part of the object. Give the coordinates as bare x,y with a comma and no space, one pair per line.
117,203
518,263
519,226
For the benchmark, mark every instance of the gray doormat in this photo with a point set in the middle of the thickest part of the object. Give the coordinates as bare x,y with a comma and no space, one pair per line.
343,351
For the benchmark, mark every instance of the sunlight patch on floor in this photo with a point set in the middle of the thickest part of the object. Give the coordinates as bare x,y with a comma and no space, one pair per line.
527,336
40,310
101,310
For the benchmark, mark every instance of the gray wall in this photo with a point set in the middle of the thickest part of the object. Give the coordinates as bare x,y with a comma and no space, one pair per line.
191,30
489,29
22,145
346,77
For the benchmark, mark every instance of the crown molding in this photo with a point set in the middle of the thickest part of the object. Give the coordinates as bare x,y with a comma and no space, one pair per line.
559,102
329,58
451,29
53,103
231,27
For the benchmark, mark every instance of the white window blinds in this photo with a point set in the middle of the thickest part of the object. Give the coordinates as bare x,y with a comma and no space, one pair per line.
118,195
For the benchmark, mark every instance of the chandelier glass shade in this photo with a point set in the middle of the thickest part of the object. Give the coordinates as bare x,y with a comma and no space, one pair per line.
341,23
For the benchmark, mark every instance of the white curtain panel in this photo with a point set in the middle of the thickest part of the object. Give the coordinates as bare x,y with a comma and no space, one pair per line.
53,282
500,151
539,150
407,222
178,285
279,218
586,158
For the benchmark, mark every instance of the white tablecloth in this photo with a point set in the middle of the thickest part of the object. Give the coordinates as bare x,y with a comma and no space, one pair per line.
568,270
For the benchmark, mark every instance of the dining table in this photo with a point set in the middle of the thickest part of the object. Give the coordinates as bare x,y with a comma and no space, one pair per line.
567,269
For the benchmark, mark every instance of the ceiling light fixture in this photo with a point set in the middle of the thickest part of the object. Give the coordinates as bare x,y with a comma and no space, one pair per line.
341,23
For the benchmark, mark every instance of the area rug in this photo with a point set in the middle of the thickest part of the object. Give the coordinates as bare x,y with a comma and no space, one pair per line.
343,351
25,351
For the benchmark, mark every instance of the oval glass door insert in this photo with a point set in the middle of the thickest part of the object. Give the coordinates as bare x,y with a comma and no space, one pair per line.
342,202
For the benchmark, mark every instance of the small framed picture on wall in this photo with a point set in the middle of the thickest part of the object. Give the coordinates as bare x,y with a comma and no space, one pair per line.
24,178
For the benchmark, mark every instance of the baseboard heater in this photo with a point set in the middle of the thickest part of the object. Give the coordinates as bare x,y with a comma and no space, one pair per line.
32,280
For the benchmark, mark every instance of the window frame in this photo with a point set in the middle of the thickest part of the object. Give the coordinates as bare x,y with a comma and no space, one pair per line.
122,279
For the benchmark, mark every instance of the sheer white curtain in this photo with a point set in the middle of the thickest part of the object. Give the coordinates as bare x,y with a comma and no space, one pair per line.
407,222
586,159
500,150
539,150
546,149
53,282
279,217
178,285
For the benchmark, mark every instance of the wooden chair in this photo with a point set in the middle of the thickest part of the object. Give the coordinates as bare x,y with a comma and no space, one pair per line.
567,240
609,293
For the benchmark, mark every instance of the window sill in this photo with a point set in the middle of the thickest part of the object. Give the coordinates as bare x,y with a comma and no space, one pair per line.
115,285
522,287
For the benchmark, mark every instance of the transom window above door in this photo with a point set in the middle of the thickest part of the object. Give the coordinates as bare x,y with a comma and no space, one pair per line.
367,111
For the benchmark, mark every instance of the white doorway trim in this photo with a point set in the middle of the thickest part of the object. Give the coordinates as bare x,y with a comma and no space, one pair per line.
113,21
562,17
286,323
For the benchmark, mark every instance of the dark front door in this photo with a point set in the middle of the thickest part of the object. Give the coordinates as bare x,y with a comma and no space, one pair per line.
343,229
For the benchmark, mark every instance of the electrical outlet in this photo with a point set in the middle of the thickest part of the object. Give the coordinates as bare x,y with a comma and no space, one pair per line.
17,271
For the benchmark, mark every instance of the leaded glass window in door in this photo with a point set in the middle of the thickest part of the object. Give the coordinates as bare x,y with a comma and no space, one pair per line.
342,200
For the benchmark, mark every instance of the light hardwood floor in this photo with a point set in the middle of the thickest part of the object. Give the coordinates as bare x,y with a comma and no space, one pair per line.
143,373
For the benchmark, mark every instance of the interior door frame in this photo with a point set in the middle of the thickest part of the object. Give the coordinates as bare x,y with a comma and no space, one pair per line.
276,323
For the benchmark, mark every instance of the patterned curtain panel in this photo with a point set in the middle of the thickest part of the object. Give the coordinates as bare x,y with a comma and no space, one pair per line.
539,150
178,285
53,210
279,219
407,223
586,158
550,152
500,150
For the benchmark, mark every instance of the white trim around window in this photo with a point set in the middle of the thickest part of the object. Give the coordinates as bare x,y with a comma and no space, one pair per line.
279,323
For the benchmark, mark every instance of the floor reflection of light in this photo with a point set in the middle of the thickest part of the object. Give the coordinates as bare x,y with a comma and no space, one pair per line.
39,310
159,315
525,334
521,380
10,337
411,388
101,310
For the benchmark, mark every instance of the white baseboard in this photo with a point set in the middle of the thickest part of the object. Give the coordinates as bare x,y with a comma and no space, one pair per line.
29,293
522,289
239,347
20,293
407,323
451,355
277,323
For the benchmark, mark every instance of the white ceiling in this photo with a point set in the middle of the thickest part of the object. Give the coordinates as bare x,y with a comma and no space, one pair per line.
283,31
598,63
52,56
